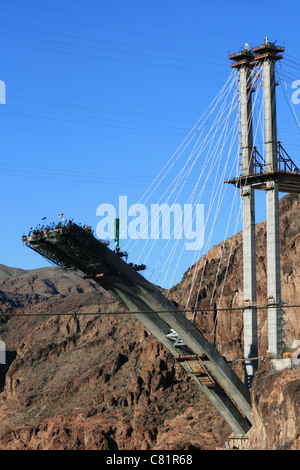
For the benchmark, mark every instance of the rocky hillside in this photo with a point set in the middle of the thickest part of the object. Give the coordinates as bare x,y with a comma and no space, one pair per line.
21,288
91,381
276,409
99,380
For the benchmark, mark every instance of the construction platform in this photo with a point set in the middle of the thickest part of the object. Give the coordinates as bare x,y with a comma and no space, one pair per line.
287,176
287,182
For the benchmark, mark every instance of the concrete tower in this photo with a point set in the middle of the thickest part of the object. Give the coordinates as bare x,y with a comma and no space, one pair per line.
243,62
277,173
267,54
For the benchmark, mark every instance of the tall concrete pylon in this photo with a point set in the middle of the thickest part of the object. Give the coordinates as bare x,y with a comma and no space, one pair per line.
272,180
267,54
242,61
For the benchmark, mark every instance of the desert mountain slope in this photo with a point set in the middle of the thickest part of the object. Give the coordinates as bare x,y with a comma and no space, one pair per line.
101,381
96,381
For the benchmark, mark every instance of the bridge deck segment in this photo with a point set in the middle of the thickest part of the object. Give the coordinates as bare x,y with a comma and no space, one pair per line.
73,246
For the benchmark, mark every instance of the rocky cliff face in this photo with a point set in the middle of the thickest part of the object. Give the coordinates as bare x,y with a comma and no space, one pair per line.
276,410
95,381
100,381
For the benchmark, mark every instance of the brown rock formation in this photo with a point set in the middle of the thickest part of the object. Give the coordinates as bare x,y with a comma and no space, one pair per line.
101,381
276,410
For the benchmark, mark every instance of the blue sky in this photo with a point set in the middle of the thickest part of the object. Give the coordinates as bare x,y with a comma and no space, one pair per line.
99,95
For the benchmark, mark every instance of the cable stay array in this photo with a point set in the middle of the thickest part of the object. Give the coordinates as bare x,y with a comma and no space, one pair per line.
200,153
211,151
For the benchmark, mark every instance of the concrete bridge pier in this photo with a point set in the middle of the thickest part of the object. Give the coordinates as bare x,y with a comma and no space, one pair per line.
243,61
267,55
